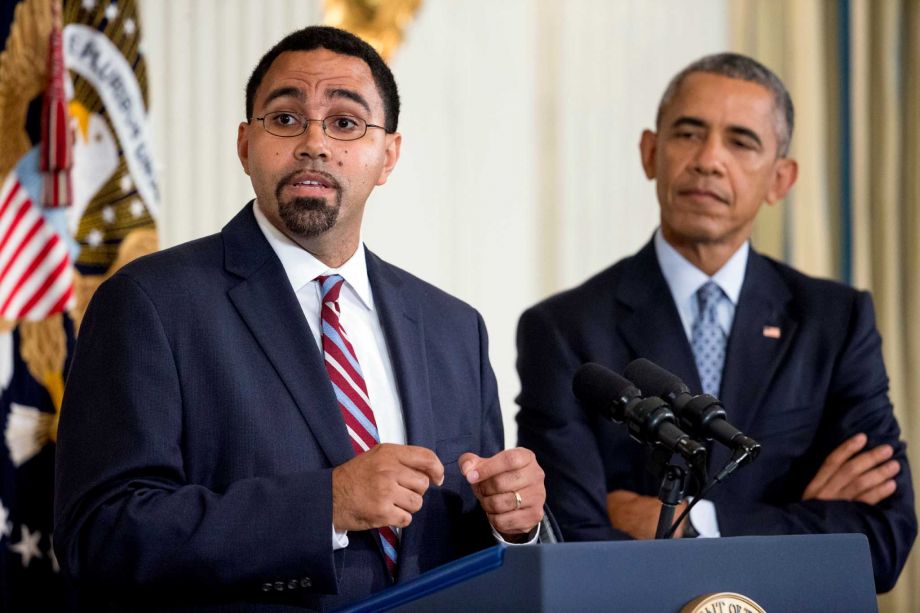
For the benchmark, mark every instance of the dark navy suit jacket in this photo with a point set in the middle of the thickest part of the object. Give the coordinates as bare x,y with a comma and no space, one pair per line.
199,431
800,395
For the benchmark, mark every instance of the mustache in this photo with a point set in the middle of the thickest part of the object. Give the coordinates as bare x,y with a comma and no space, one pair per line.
296,174
704,189
307,203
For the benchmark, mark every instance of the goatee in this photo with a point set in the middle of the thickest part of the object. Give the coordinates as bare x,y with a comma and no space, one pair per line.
308,217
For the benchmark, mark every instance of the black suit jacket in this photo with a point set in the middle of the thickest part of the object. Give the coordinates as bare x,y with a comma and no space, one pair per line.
199,431
800,395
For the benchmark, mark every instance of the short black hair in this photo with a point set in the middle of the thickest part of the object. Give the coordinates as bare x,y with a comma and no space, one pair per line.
737,66
337,41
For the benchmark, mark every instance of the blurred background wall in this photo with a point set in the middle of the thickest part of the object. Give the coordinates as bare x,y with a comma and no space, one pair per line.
520,173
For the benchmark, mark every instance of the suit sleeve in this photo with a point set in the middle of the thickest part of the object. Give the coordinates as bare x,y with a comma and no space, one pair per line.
857,402
125,512
553,425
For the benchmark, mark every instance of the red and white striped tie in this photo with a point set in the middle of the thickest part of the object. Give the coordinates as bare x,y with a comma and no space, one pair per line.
350,390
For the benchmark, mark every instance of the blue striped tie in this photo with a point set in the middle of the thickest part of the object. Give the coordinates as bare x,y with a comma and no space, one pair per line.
351,391
707,338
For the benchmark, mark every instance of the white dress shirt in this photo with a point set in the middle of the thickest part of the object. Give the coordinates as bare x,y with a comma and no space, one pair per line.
684,279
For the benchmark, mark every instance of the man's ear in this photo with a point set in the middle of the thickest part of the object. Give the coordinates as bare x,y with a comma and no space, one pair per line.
394,142
648,145
242,145
785,172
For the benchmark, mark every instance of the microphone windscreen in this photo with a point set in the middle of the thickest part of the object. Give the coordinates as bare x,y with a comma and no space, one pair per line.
654,380
598,387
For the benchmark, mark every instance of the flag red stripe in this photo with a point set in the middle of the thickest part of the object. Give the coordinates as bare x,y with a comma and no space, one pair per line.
22,245
40,292
28,272
23,209
61,304
10,197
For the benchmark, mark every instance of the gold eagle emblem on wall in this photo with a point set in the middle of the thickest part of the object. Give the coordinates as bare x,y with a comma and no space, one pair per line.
382,23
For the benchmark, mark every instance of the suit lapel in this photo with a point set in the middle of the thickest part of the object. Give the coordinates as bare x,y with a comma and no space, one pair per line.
402,323
650,323
268,306
754,351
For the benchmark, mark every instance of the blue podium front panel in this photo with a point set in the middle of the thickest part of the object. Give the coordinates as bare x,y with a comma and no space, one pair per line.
787,573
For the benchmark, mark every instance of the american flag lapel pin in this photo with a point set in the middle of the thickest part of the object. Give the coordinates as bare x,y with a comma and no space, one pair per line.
772,331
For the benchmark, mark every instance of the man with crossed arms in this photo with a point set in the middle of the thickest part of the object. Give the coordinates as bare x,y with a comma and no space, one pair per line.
796,361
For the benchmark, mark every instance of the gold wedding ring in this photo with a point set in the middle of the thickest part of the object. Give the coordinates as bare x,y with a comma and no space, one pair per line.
518,501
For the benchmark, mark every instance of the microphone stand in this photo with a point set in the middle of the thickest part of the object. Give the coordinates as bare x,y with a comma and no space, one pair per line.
670,494
673,479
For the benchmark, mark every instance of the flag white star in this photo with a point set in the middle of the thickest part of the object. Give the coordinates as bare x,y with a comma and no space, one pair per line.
108,215
126,184
137,208
130,26
111,11
89,5
6,526
27,546
94,238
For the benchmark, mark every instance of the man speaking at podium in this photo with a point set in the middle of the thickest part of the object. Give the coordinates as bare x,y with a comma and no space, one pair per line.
796,361
273,415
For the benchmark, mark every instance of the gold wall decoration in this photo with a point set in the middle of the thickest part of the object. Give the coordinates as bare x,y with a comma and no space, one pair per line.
382,23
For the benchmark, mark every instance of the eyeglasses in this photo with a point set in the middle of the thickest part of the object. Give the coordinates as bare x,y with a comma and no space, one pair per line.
338,127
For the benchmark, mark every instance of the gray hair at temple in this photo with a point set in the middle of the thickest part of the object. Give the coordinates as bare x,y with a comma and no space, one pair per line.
736,66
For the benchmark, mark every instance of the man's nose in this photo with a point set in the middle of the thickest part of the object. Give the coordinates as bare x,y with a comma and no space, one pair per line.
313,143
709,156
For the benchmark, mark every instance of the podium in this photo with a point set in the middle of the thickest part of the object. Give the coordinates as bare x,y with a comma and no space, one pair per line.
780,573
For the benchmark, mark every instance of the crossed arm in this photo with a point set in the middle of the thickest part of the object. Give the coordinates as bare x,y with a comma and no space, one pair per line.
849,473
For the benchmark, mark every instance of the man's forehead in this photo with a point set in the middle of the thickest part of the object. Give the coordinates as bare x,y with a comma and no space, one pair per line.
725,104
708,94
318,72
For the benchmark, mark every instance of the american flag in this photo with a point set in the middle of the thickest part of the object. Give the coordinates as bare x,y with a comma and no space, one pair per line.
35,279
74,206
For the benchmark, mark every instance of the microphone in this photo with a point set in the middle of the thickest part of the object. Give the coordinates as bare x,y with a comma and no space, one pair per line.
703,415
650,420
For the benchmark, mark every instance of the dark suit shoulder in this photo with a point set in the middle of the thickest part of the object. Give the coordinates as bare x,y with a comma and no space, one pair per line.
174,263
594,307
814,294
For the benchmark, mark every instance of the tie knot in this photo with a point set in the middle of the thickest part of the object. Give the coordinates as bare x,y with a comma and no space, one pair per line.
708,296
330,286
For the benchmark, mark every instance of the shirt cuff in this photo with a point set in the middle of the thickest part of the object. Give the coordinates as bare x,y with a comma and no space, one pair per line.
532,538
339,539
704,520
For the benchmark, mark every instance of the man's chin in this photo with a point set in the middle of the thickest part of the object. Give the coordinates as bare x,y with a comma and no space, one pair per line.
309,220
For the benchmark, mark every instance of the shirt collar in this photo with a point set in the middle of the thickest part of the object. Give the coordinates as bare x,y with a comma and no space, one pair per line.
302,267
684,278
